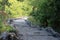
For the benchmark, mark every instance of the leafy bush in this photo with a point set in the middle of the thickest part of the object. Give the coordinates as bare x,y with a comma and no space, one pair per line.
47,13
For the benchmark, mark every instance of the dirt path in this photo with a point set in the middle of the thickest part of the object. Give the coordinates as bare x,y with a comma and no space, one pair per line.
30,33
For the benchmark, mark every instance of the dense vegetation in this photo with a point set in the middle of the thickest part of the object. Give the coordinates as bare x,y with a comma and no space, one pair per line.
18,8
47,13
3,17
44,12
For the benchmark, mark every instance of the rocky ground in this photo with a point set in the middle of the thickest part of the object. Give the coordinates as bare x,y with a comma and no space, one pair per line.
30,33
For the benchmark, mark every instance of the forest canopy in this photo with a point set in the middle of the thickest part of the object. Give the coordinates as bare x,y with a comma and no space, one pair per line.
44,12
18,8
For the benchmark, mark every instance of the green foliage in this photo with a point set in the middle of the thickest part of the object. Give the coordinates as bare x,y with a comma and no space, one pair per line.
3,17
3,27
14,9
17,8
47,13
20,0
43,12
